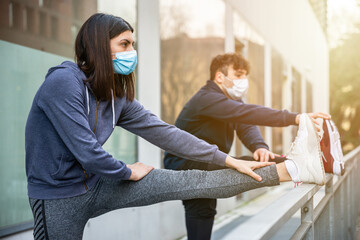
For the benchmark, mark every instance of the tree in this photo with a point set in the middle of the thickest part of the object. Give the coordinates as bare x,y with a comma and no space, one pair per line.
345,89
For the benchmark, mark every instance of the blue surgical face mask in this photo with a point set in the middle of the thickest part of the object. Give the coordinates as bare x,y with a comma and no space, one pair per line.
125,62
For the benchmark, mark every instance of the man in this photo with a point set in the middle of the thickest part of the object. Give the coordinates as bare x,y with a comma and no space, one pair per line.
213,114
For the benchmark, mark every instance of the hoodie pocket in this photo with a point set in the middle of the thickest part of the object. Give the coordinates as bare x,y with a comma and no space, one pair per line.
68,171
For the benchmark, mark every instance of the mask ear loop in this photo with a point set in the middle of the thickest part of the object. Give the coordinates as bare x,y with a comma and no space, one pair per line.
226,78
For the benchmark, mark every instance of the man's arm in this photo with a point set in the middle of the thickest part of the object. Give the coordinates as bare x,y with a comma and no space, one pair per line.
250,136
218,106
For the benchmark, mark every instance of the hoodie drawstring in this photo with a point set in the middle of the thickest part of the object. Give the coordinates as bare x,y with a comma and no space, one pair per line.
87,99
113,108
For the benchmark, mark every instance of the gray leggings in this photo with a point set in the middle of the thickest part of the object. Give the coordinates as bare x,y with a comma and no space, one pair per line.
66,218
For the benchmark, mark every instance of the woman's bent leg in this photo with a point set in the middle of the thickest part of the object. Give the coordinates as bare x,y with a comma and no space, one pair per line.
164,185
57,219
60,219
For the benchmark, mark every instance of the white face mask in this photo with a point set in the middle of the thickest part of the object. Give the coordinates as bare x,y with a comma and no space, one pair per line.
239,89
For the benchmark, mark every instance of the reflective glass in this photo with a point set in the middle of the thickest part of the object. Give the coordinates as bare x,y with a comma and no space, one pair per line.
296,95
251,45
191,36
277,79
23,70
309,97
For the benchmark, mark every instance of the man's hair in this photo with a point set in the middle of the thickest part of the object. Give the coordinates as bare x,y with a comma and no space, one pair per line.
221,62
93,56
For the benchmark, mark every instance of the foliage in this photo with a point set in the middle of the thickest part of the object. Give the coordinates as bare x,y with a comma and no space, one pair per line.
345,89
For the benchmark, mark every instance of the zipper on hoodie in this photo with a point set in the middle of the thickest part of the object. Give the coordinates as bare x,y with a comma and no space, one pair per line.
86,187
84,182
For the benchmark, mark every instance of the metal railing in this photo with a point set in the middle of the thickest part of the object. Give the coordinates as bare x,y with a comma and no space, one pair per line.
333,217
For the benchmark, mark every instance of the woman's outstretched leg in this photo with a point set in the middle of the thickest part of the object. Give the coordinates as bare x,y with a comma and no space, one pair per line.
164,185
158,186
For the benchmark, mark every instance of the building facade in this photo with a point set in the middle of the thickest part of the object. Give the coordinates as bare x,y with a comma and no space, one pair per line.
284,41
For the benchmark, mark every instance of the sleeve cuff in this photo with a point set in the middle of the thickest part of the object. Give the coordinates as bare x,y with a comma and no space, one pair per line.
219,158
259,145
290,118
127,173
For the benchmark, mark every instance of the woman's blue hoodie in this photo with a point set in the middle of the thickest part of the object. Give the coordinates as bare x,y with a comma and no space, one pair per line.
67,127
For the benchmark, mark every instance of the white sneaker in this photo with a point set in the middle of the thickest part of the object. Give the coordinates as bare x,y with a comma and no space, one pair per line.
305,153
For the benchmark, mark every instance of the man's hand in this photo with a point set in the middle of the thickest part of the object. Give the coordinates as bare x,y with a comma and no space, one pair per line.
263,155
313,117
246,167
139,170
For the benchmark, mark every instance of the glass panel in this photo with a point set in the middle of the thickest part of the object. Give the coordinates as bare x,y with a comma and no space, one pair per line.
189,40
244,32
277,77
35,35
296,91
296,95
23,70
251,45
256,77
309,97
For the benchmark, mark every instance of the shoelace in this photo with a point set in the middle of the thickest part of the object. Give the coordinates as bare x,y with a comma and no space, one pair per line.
297,184
292,146
322,154
295,141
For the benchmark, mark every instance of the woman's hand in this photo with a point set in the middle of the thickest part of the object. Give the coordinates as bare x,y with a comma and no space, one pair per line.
139,170
246,167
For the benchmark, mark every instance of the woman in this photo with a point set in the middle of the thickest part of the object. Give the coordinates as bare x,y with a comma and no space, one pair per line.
72,179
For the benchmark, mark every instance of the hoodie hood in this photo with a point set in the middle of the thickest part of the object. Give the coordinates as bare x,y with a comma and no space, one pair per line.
80,74
68,64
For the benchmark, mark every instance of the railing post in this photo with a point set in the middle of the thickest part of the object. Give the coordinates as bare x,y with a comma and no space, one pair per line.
342,226
307,216
349,208
352,215
329,189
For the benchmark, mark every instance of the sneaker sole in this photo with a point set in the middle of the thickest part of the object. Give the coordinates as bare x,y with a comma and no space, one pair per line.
338,168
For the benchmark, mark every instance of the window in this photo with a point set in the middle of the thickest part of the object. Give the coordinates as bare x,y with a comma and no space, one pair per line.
309,97
251,45
296,95
189,40
277,76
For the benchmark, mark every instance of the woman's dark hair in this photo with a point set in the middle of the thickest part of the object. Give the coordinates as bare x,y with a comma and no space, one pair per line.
222,62
93,56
